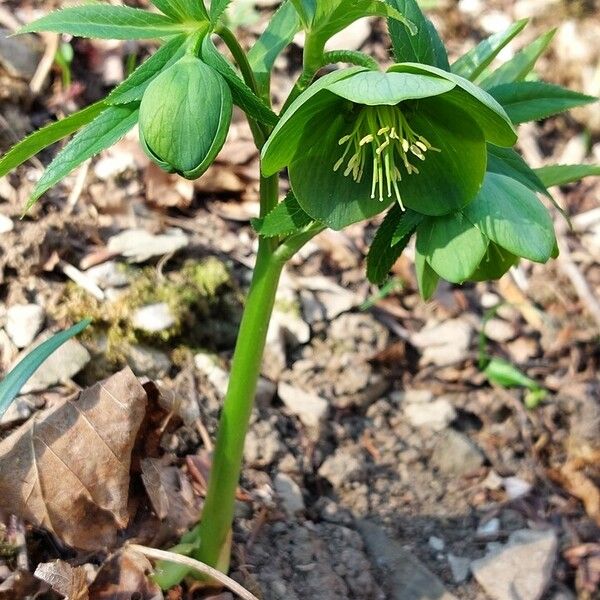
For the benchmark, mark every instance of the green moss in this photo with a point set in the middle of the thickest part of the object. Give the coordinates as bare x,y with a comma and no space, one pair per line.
201,295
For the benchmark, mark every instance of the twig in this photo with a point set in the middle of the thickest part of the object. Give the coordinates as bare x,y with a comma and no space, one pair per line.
37,81
81,279
78,186
196,565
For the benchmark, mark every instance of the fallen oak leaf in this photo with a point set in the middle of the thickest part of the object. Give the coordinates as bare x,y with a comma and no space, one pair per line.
71,582
67,468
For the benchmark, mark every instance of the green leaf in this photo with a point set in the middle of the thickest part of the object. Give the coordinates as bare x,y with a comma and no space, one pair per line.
374,88
242,95
468,97
280,31
511,215
217,8
505,374
520,65
133,88
427,278
286,218
48,135
564,174
106,22
495,263
407,224
382,254
424,47
102,132
472,64
11,385
452,245
183,10
533,100
507,161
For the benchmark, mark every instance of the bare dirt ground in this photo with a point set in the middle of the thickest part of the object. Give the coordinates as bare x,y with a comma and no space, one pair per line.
380,462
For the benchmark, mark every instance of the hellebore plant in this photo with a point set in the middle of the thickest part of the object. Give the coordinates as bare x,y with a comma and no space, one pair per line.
427,143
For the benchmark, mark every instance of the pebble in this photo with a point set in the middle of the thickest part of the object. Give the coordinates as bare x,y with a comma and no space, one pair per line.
411,396
153,318
436,543
6,224
23,323
516,487
436,415
499,330
444,344
139,245
262,445
456,455
289,493
59,367
488,528
309,408
342,467
108,275
148,361
20,56
18,410
521,568
460,567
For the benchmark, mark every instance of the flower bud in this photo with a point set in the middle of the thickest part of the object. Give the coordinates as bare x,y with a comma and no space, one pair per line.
185,116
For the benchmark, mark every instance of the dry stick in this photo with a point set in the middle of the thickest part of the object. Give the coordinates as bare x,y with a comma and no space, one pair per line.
44,67
196,565
78,186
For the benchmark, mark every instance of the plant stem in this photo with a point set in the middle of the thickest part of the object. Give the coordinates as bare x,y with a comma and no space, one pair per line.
353,57
217,515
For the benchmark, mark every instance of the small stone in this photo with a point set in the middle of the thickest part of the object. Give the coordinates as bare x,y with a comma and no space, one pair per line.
488,528
516,487
20,55
263,445
59,367
411,397
460,567
18,410
523,349
153,318
521,568
148,361
295,329
444,344
436,543
108,275
499,330
309,408
138,245
23,323
436,415
208,365
455,454
289,493
341,467
493,481
6,224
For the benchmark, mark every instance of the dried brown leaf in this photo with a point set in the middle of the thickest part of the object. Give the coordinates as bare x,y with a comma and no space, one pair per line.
64,579
67,468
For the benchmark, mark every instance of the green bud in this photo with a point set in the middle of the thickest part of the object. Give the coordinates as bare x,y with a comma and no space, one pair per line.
185,116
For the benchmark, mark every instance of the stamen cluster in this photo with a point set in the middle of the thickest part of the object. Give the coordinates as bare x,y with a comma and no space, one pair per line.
382,134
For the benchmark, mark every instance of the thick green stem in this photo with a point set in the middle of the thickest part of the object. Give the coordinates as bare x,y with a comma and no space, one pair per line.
217,515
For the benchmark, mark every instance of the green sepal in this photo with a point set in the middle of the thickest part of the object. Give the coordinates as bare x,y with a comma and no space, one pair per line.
521,64
48,135
466,96
133,88
286,218
507,161
427,278
183,10
104,131
511,215
494,264
472,64
242,95
425,46
553,175
535,100
384,252
452,245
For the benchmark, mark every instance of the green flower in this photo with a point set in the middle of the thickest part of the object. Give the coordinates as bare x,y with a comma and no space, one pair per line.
358,140
185,116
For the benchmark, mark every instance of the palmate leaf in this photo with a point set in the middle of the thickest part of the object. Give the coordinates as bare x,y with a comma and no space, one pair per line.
553,175
104,131
286,218
11,385
106,22
521,64
133,88
48,135
425,46
534,100
472,64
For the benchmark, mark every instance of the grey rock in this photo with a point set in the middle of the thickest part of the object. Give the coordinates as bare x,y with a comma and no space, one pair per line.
153,318
23,323
309,408
342,467
323,299
139,245
500,330
262,445
444,344
405,577
108,275
20,55
460,567
489,528
436,543
148,361
411,396
59,367
455,454
289,493
516,487
519,569
436,415
6,224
